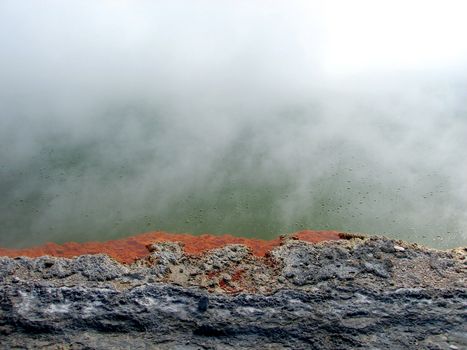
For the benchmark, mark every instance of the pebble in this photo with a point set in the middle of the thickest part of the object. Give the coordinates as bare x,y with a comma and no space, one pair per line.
398,248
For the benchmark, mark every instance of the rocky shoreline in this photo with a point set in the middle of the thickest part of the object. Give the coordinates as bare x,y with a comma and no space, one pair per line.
357,292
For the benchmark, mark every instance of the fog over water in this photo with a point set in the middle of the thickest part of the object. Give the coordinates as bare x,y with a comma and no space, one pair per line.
253,118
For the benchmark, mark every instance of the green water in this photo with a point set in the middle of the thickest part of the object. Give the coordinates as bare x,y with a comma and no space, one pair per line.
78,191
122,117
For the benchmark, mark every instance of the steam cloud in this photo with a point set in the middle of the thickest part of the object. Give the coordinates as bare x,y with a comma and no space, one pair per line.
118,117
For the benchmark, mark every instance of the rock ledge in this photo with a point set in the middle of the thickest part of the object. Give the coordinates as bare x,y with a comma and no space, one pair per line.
359,292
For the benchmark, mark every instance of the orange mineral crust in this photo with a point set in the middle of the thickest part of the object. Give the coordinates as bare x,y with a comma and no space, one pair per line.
127,250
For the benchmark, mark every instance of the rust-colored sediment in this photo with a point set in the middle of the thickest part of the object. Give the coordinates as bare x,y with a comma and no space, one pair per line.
127,250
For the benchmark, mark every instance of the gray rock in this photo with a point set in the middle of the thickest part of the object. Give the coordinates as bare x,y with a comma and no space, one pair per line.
335,295
98,267
51,267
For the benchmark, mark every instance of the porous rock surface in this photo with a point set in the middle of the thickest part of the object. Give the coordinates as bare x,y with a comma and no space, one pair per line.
361,292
